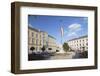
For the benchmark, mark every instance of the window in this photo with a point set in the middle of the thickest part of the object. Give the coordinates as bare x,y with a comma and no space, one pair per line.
37,42
74,41
43,35
32,34
87,44
32,40
40,36
36,35
40,41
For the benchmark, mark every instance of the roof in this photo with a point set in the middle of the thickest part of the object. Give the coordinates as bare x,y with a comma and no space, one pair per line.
51,36
37,30
78,38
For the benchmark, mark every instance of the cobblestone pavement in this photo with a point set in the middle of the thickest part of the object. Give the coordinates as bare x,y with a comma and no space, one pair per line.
63,56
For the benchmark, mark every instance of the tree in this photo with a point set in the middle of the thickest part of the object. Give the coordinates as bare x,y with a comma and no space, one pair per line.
50,48
66,47
84,54
57,50
43,48
32,48
83,48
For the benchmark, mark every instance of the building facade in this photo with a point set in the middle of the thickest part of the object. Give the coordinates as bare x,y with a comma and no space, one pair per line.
52,46
79,44
38,39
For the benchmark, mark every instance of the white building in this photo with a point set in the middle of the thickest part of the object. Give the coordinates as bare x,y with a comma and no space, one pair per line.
79,44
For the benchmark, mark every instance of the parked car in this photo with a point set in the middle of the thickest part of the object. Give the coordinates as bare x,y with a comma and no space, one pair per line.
83,54
39,55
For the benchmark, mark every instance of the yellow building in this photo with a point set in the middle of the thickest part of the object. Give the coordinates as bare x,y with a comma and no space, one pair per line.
52,46
37,39
33,38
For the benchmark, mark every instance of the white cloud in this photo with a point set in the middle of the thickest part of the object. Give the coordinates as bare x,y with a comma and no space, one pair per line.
72,34
75,27
79,29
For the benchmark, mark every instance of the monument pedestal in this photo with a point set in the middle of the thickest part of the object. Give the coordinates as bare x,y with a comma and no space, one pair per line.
61,49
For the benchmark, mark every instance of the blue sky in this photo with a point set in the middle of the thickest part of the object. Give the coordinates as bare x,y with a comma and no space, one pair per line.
73,27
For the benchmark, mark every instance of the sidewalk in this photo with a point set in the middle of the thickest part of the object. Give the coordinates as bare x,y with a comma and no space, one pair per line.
67,55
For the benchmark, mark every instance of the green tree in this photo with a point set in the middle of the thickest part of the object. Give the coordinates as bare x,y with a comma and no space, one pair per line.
66,47
32,48
57,50
43,48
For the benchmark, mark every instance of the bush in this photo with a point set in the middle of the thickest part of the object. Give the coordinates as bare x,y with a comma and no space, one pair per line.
50,48
85,54
43,48
32,48
57,50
